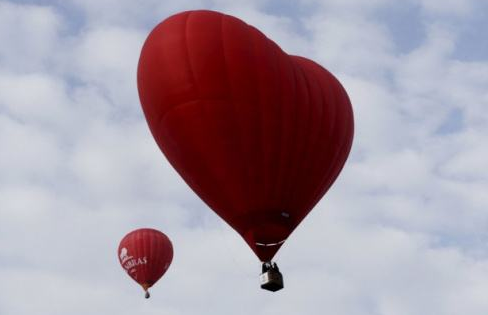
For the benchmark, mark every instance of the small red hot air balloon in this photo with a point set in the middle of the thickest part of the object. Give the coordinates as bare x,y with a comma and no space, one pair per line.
145,254
258,134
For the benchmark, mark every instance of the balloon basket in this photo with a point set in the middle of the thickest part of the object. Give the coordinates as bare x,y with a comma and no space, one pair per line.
271,278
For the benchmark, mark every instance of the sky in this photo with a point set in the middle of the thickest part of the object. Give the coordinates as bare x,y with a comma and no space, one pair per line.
403,231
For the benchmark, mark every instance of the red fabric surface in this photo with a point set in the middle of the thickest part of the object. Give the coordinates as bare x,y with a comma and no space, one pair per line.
258,134
145,254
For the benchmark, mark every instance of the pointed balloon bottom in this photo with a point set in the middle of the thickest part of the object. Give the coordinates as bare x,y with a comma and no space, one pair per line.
271,277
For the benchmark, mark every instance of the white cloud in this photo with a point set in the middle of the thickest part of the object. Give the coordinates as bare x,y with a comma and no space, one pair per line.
121,160
102,13
34,98
449,7
106,58
420,71
356,6
28,153
350,44
29,36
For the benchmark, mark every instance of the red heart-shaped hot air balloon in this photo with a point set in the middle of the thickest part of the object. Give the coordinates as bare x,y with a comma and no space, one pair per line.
145,254
258,134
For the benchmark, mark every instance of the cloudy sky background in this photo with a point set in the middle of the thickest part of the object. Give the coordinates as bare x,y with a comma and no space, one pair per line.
404,230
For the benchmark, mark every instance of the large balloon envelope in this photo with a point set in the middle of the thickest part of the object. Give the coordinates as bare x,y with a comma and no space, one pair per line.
145,254
258,134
